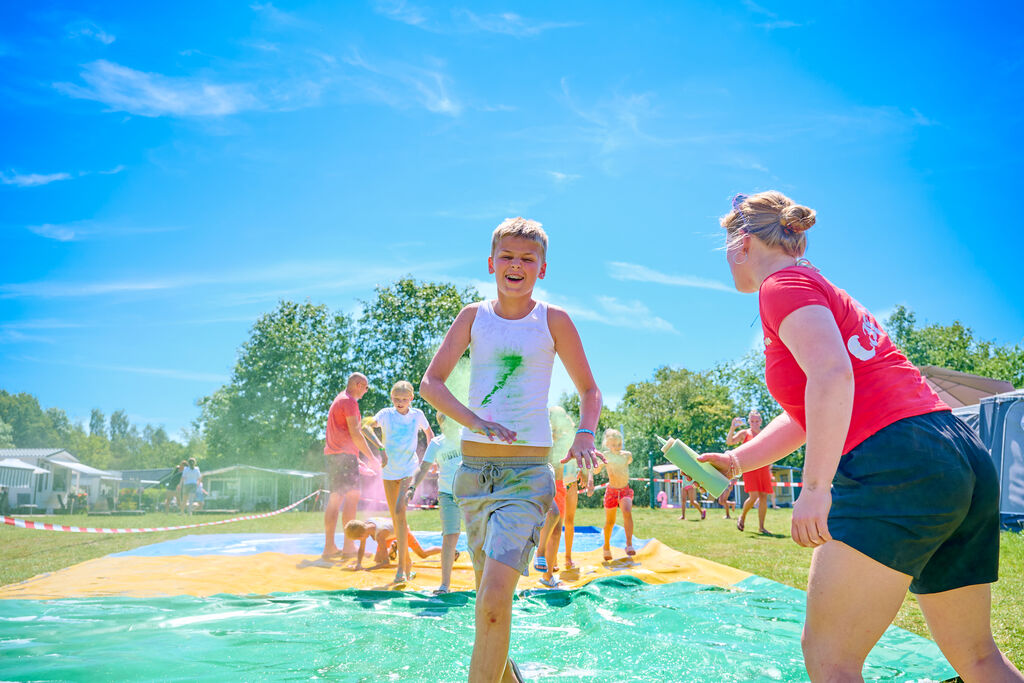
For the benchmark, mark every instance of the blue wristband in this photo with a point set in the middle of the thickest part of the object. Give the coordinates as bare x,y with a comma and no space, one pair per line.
584,431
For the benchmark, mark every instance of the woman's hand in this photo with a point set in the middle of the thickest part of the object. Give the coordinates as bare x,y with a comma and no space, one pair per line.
720,461
586,454
493,429
810,518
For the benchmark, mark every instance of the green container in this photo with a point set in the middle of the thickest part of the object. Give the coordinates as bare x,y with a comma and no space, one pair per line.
685,458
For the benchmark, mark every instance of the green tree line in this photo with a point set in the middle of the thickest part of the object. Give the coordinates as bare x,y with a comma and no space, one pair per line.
273,409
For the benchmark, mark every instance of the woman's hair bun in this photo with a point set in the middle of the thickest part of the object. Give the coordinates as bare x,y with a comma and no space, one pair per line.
797,218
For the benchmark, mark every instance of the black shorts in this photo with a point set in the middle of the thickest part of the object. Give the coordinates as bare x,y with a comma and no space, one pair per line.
921,496
342,472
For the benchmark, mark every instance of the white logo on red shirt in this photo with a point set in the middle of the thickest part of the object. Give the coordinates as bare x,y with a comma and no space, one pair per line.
872,334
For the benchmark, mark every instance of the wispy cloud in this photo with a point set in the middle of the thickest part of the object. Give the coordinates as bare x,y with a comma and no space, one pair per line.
150,94
607,310
633,314
88,29
308,276
169,373
637,273
398,84
774,21
399,10
86,230
275,15
511,24
32,179
563,178
615,123
112,171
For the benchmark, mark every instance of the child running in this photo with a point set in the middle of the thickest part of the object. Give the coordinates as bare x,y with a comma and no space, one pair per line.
443,452
551,535
505,484
382,531
401,425
619,494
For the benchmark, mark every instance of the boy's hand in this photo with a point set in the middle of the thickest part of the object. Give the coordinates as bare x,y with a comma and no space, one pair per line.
587,456
494,430
410,493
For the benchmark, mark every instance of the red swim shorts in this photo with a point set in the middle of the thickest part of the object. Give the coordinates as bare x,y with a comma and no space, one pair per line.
613,496
560,496
758,480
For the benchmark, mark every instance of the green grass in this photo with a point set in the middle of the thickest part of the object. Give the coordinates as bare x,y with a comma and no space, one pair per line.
25,553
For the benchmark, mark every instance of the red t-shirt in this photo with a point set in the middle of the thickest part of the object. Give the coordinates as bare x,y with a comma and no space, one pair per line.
339,440
887,386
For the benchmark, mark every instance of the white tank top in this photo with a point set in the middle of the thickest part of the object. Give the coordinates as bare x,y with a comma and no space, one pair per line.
510,373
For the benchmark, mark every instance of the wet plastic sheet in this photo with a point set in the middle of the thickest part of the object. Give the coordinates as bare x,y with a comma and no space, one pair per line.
617,629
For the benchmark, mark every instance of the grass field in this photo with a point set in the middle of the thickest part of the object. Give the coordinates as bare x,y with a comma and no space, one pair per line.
25,553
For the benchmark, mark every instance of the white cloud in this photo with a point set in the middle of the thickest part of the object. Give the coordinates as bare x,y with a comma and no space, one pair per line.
87,29
169,373
32,179
77,231
563,178
634,272
397,84
399,10
511,24
274,15
150,94
112,171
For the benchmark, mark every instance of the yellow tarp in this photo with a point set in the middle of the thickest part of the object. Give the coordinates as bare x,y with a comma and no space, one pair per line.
271,572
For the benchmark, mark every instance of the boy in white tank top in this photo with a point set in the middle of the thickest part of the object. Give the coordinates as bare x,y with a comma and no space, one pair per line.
505,485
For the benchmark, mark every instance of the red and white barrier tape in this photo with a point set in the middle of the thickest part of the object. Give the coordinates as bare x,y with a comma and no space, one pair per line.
739,482
43,526
411,505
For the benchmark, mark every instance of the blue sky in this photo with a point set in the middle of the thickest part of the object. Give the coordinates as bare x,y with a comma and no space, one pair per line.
169,172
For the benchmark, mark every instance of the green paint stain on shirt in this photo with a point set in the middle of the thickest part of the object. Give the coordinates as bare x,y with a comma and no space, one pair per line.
510,363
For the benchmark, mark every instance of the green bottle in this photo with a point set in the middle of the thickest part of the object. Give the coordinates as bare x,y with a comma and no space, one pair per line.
685,458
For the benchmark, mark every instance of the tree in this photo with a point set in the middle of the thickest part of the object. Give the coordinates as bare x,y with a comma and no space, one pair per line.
61,424
400,330
691,406
30,427
274,408
955,347
97,423
6,435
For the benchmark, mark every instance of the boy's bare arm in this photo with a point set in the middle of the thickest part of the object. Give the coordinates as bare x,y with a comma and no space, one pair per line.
359,553
569,348
422,472
434,391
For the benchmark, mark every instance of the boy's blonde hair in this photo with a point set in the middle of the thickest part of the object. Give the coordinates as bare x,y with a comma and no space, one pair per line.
355,528
771,217
611,435
403,387
521,227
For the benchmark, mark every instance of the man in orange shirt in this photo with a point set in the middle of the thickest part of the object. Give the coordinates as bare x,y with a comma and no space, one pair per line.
344,444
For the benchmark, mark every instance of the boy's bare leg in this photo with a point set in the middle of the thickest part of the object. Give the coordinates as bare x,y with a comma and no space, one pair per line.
493,623
571,499
394,491
551,545
627,521
448,544
609,524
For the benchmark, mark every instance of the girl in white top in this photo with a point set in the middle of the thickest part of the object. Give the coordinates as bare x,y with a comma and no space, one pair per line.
401,426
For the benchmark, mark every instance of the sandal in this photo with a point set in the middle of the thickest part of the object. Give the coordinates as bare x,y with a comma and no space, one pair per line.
442,590
630,551
550,583
540,563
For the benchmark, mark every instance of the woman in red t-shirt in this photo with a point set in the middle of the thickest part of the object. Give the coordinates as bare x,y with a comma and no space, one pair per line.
897,492
757,483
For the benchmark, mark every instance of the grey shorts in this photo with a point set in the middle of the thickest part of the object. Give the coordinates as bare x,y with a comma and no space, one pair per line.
504,502
451,514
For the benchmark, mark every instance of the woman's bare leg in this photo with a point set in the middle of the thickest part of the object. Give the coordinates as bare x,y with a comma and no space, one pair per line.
762,511
961,623
851,600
